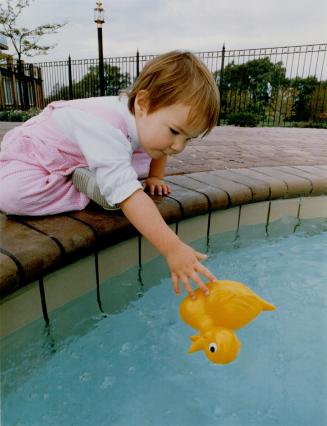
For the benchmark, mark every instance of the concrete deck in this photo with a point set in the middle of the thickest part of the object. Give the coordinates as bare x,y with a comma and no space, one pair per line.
236,147
230,167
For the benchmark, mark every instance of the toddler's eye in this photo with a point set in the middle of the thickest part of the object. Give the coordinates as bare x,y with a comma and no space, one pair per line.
174,132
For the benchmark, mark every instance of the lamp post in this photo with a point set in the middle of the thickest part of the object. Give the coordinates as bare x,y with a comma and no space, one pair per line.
99,20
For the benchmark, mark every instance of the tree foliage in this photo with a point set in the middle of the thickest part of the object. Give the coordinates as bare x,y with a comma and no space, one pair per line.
261,87
253,84
309,99
89,85
26,41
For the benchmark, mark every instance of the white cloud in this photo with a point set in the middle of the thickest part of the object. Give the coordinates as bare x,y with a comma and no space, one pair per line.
154,26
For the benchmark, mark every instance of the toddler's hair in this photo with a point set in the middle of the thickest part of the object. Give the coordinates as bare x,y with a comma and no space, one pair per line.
179,77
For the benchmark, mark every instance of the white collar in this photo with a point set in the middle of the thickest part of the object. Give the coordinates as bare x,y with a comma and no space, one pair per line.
130,121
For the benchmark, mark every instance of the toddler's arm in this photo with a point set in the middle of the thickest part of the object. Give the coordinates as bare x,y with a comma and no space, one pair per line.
156,173
183,260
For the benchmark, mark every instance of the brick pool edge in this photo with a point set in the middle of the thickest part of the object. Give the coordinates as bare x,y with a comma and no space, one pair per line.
35,251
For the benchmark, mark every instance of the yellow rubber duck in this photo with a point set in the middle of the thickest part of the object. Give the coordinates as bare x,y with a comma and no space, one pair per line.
230,306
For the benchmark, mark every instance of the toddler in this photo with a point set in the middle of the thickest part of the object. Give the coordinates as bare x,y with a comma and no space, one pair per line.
174,99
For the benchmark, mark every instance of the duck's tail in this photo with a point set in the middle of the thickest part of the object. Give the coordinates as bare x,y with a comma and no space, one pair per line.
266,306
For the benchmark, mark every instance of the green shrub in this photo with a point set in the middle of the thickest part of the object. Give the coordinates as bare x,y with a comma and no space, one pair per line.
243,119
17,115
310,124
4,115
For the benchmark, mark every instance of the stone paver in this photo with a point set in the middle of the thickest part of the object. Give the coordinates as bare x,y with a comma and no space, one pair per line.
235,147
5,126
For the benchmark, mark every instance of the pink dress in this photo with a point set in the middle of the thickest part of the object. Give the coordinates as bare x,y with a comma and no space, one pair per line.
37,160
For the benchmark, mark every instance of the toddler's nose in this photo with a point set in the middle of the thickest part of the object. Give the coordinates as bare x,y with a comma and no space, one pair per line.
178,146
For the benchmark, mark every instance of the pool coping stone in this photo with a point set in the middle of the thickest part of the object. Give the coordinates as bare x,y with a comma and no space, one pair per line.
33,247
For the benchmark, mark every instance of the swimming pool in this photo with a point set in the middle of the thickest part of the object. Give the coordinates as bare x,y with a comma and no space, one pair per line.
131,366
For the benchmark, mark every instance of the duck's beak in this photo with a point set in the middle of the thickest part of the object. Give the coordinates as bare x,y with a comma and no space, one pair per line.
197,344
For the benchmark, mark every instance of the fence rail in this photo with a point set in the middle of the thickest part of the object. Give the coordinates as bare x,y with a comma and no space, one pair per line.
276,85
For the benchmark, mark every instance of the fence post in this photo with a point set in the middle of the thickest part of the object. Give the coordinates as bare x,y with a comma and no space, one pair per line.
221,80
70,79
15,84
25,88
20,69
137,63
41,103
31,66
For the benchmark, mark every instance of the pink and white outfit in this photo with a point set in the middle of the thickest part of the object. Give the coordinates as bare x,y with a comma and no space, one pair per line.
38,158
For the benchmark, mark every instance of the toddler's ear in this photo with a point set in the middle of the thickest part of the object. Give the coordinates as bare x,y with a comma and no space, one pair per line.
141,103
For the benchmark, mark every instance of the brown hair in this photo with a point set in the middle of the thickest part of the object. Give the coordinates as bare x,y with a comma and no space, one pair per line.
179,77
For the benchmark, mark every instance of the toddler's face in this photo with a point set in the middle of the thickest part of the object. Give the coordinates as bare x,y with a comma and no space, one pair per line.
165,131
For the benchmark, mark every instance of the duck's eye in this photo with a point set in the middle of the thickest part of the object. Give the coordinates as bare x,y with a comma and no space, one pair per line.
213,347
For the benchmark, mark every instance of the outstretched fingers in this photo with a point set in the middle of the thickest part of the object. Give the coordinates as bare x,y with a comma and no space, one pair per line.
200,256
194,276
197,280
186,269
175,281
205,272
184,279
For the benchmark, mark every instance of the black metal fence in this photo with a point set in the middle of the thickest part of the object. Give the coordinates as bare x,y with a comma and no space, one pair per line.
275,86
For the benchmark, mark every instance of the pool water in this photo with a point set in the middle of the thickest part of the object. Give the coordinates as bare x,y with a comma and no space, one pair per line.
131,367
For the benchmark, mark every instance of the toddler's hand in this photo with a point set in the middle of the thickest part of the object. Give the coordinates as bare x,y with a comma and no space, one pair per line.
156,186
184,266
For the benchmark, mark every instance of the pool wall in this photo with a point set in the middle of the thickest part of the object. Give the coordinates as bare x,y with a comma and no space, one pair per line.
50,261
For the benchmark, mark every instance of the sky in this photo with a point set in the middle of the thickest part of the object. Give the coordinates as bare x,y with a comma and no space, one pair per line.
156,26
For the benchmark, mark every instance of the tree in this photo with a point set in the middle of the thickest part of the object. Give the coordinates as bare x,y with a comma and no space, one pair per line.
25,41
309,99
252,86
89,85
114,81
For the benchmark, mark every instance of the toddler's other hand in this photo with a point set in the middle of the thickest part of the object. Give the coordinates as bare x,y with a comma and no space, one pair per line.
184,266
156,186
